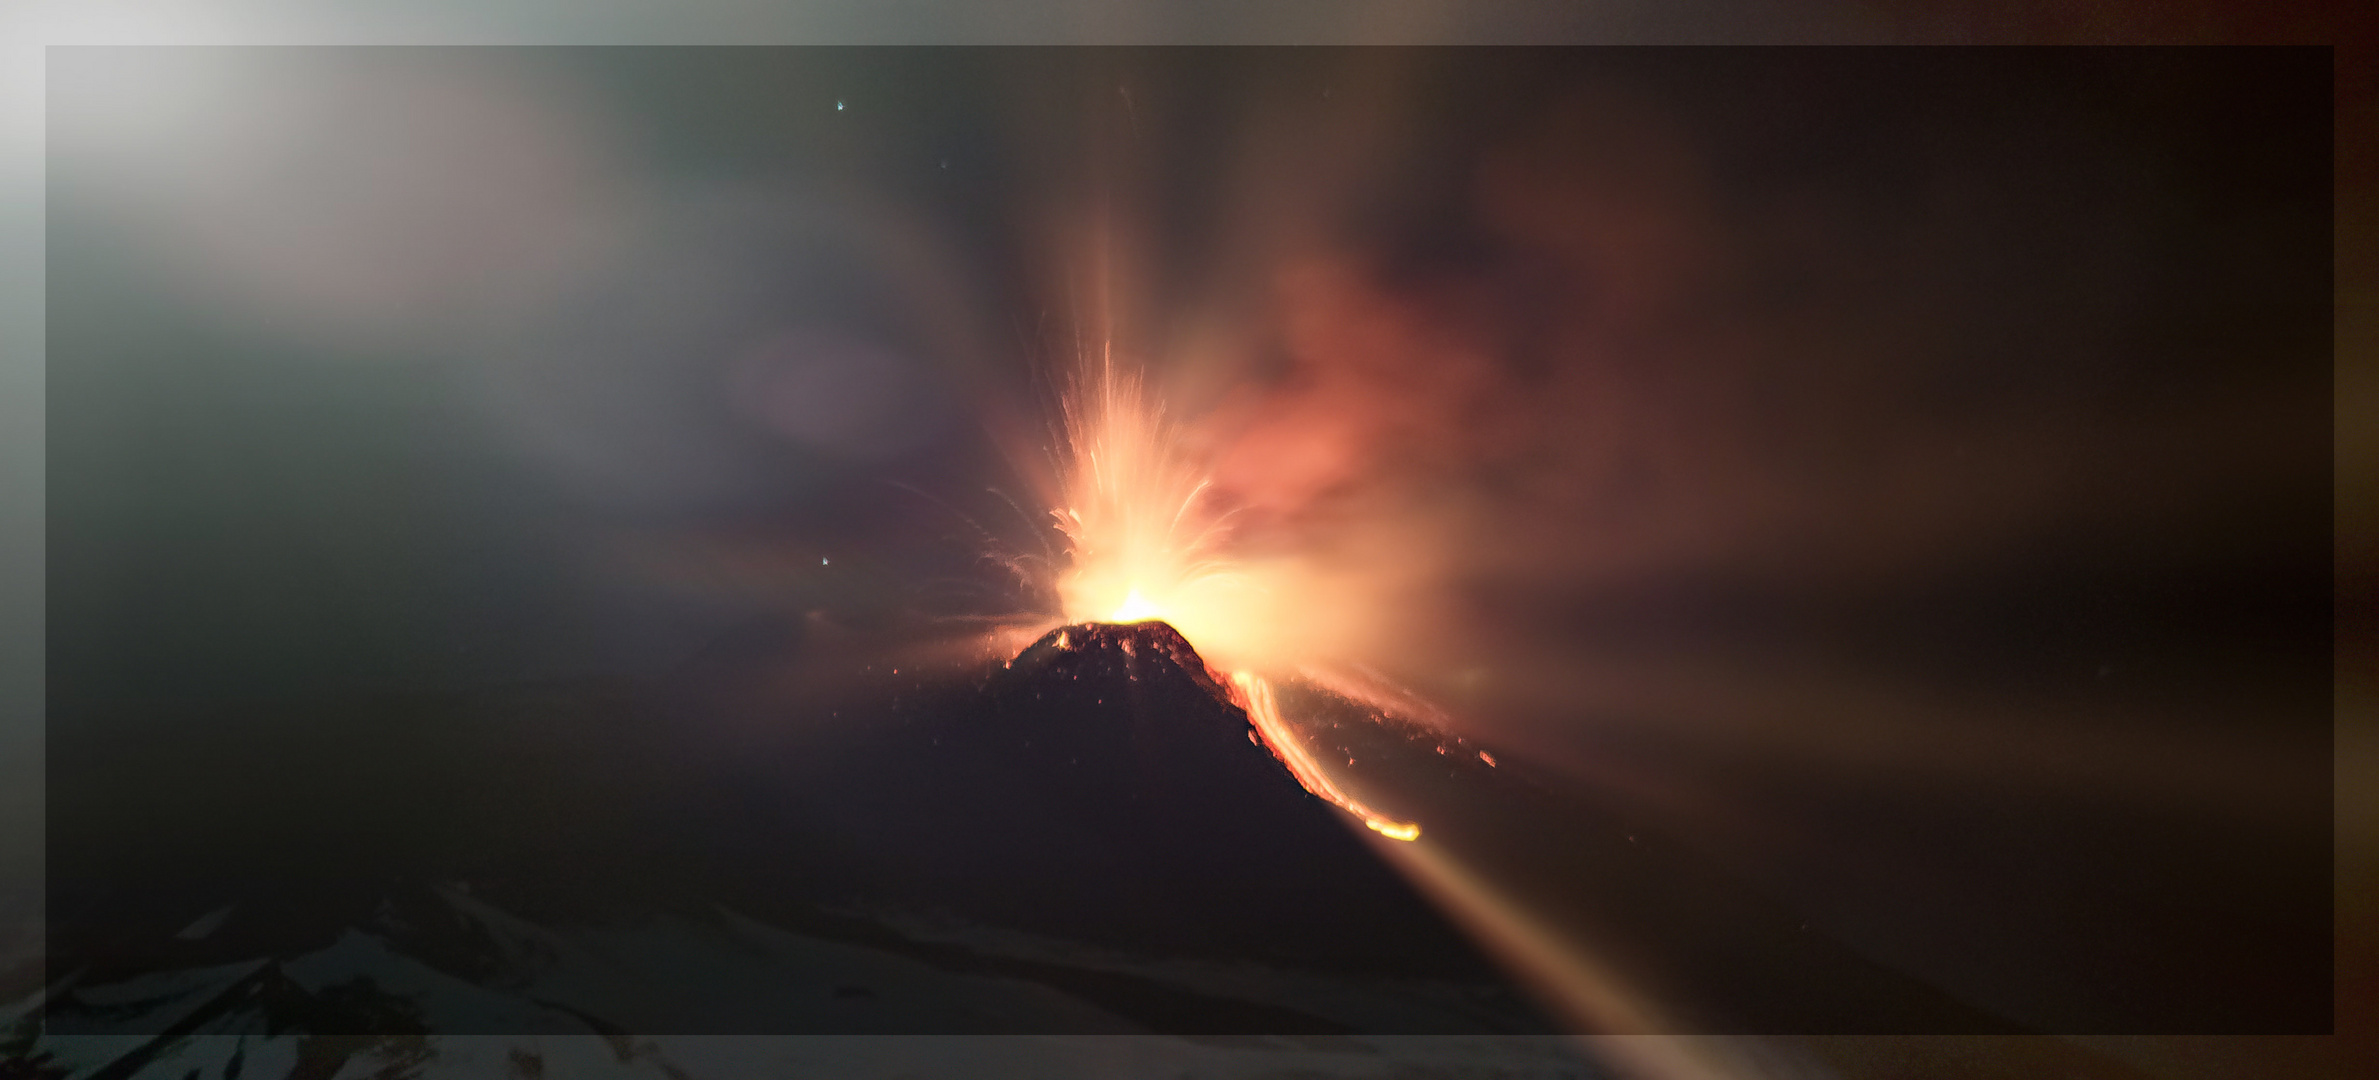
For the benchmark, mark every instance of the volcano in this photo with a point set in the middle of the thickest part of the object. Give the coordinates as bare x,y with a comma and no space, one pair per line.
1088,838
1106,786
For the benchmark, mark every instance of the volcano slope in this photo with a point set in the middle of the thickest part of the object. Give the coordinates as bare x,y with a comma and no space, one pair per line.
1103,788
1082,837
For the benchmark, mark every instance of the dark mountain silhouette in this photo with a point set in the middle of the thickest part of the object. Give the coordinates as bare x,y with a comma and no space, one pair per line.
1084,840
1104,786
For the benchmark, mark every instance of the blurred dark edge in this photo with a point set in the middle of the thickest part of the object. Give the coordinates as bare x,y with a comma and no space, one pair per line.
2206,21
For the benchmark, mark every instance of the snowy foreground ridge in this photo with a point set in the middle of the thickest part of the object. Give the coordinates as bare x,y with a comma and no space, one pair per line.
455,987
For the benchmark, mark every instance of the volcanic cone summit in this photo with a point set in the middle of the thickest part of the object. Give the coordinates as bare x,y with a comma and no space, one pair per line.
1106,784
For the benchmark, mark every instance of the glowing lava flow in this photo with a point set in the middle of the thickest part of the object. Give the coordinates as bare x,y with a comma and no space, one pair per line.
1255,696
1144,545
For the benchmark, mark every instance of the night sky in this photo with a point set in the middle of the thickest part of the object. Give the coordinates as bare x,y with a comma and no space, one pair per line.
1897,482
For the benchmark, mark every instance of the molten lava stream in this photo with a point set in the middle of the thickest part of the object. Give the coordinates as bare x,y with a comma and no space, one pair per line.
1252,693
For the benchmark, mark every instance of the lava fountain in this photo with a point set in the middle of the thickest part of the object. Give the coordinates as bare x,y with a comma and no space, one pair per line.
1145,542
1149,539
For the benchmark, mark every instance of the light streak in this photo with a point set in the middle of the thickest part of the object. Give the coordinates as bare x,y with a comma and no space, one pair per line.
1625,1028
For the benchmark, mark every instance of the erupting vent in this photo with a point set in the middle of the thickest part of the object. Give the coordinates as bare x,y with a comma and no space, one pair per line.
1154,650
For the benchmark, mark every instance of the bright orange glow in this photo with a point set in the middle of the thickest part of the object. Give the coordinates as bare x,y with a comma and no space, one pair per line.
1136,608
1144,542
1148,536
1255,696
